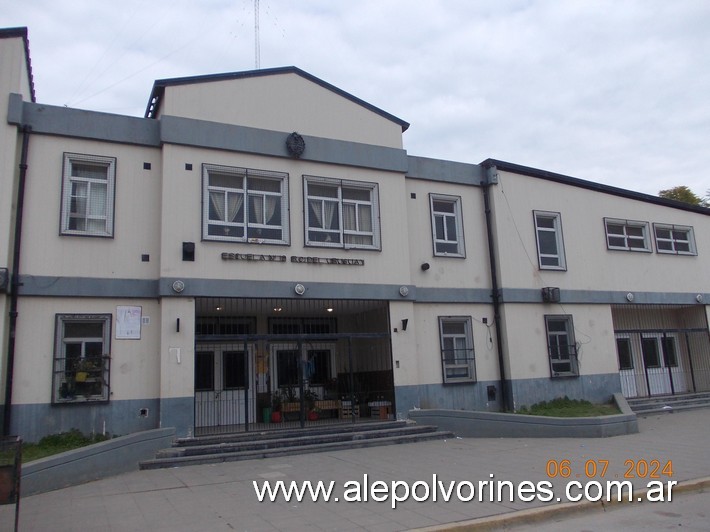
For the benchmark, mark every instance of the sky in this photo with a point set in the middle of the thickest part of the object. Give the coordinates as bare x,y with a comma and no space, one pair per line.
611,91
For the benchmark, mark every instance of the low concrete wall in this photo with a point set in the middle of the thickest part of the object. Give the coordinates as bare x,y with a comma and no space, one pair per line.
93,462
471,424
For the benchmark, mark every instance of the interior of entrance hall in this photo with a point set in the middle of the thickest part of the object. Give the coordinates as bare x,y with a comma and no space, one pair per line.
271,361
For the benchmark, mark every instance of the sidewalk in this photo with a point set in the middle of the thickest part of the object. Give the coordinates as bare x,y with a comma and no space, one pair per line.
222,497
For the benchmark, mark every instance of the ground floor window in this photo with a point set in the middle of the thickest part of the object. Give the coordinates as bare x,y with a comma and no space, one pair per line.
457,355
81,358
561,346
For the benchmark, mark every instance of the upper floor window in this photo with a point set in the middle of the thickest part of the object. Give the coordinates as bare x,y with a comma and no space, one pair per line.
341,214
561,346
675,239
447,226
88,187
81,358
457,355
550,245
627,235
242,205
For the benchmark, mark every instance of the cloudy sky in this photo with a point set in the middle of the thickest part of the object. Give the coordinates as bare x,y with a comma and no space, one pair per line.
614,91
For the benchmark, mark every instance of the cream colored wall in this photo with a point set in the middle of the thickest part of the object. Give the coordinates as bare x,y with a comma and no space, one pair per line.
422,363
590,265
286,102
182,219
136,215
13,65
449,272
134,363
525,345
177,351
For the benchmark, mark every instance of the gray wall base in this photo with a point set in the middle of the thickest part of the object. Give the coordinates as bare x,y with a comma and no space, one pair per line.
93,462
469,424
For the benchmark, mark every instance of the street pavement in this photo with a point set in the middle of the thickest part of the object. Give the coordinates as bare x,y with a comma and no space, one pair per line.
222,497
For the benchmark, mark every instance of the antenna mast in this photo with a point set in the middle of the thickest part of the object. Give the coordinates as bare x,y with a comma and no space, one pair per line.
257,46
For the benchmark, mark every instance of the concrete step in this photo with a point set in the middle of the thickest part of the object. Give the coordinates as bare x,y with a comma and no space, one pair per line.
211,454
669,403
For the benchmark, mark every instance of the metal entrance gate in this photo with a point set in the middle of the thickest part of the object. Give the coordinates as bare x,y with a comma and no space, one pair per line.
662,349
249,382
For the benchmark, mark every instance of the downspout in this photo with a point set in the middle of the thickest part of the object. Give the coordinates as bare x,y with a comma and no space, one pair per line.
15,279
495,291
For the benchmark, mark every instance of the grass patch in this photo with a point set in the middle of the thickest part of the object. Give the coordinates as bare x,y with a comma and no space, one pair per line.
58,443
566,407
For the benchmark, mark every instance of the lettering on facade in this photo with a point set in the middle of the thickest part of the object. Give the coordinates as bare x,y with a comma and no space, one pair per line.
253,257
322,260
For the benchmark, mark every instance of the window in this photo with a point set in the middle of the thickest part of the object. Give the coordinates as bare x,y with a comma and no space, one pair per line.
670,355
88,186
233,369
81,358
561,346
623,350
674,239
341,214
241,205
649,349
204,371
550,246
457,356
627,235
447,226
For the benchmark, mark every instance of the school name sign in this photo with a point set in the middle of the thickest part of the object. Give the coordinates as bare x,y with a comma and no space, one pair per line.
257,257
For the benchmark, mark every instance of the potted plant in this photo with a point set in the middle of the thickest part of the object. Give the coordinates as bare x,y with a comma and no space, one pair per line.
310,397
276,401
83,369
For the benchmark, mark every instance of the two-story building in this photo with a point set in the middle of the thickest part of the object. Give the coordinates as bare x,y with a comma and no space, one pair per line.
262,241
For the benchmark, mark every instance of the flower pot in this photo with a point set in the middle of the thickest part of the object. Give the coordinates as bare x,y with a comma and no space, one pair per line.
276,417
312,416
81,376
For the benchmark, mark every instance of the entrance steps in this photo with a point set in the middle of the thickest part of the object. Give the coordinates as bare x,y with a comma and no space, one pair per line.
669,403
256,444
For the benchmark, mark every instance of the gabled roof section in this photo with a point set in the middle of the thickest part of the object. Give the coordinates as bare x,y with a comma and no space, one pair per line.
160,85
591,185
21,32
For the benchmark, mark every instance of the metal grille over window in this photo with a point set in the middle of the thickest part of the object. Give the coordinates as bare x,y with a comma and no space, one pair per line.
88,195
457,355
81,360
341,214
561,346
244,205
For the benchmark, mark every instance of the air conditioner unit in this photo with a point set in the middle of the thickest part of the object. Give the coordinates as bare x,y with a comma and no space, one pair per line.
4,280
551,294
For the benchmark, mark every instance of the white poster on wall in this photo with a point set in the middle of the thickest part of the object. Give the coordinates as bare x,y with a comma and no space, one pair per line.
128,323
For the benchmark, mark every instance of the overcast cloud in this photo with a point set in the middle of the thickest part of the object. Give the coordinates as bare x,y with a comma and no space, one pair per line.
611,91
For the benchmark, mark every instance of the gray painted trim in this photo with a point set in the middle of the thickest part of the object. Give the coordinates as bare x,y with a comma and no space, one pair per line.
191,132
14,109
63,121
444,171
102,460
41,285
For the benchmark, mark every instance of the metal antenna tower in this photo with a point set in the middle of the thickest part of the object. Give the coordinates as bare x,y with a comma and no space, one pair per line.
257,46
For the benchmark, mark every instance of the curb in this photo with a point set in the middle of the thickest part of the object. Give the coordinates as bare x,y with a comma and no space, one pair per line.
540,514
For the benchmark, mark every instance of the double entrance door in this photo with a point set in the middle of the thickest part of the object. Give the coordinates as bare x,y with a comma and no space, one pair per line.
650,364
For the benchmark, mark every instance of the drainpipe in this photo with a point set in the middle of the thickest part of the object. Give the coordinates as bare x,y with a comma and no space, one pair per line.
15,279
495,291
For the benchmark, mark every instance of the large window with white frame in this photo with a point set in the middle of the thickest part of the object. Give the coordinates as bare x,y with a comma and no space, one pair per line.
550,244
457,353
81,358
447,225
627,235
561,346
674,239
244,205
341,213
88,189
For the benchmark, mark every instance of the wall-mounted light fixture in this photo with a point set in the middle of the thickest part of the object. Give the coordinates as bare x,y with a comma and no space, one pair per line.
404,291
178,286
699,298
299,289
629,297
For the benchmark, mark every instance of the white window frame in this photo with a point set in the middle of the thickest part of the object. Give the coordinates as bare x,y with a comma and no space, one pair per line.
98,214
66,386
623,240
464,356
445,218
673,241
561,346
337,236
251,230
556,230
